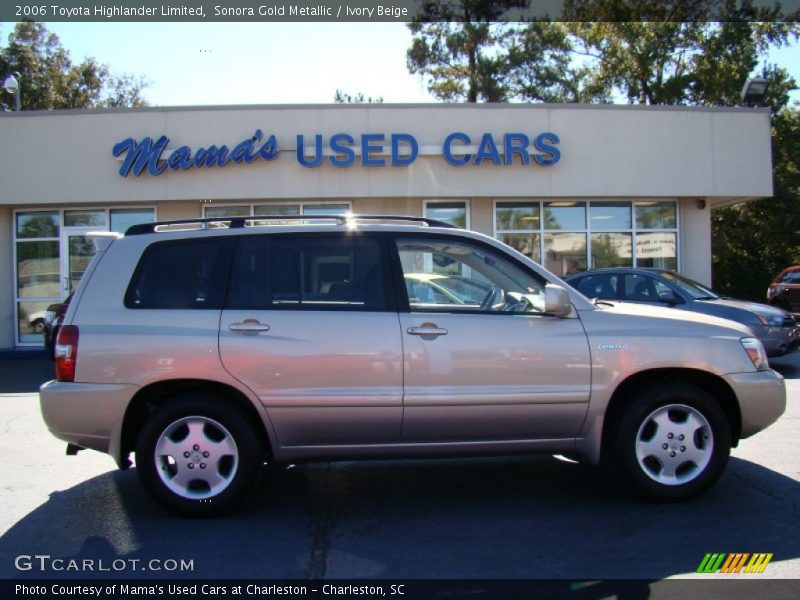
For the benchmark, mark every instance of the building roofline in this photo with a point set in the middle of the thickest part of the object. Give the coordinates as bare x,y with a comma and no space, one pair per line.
383,106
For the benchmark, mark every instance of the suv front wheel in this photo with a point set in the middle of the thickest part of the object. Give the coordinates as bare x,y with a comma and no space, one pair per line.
672,441
198,455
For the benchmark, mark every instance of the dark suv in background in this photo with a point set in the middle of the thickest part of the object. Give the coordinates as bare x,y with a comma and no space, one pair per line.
776,328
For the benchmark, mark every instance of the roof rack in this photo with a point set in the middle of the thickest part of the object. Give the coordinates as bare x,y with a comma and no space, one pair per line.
252,221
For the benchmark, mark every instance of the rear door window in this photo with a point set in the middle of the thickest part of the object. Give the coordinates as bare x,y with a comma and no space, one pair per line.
309,272
601,285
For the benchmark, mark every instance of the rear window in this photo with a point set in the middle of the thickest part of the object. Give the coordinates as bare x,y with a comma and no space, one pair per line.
184,274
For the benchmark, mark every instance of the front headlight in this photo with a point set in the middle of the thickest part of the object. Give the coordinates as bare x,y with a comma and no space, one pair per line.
771,320
755,350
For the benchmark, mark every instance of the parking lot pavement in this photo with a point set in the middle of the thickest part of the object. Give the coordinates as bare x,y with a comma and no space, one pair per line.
513,517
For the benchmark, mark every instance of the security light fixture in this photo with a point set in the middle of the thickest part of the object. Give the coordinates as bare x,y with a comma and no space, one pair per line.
754,91
11,85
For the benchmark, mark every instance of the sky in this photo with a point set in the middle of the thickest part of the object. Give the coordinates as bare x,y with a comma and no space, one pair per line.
252,63
266,63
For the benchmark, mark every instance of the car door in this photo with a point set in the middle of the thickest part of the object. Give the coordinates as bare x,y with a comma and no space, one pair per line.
310,327
489,368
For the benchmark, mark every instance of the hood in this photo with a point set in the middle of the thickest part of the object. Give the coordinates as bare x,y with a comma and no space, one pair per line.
754,307
684,316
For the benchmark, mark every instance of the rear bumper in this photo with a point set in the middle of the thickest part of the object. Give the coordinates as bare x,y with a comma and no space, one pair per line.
88,415
762,399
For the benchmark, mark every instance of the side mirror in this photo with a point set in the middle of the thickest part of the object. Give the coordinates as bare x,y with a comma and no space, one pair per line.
556,300
668,297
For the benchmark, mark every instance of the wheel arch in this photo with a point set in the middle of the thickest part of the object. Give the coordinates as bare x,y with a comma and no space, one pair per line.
714,385
156,394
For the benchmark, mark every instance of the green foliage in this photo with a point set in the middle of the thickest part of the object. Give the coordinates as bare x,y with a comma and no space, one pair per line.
50,80
464,54
341,97
752,242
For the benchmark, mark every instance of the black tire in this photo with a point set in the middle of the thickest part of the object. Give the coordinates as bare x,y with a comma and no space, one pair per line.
660,467
38,326
225,438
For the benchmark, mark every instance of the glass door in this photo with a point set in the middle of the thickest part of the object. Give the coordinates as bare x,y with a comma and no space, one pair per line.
77,251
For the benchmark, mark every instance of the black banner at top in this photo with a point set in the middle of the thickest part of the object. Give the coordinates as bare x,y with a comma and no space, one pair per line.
398,10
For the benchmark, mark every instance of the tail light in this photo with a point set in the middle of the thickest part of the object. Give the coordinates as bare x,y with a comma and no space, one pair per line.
66,352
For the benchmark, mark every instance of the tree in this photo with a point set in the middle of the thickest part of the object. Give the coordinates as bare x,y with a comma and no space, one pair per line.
752,242
341,97
460,47
50,79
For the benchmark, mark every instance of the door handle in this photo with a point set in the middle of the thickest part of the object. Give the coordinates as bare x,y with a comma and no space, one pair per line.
248,326
425,331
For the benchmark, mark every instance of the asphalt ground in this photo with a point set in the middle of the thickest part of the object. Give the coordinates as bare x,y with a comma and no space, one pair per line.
518,517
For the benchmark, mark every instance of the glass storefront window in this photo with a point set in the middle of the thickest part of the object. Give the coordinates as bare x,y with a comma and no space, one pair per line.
528,244
38,269
123,218
454,213
325,209
517,216
565,253
611,250
212,212
84,218
565,215
277,209
38,224
656,215
657,250
610,216
30,325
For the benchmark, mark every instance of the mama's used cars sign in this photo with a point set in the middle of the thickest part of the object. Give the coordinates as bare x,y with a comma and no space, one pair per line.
340,150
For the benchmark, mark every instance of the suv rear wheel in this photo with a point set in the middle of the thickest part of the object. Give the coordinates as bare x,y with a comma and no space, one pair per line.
198,455
673,441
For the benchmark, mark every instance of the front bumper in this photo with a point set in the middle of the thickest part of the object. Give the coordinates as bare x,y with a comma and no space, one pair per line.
778,340
762,399
88,415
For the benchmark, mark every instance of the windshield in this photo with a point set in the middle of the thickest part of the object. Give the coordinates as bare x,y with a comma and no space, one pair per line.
691,288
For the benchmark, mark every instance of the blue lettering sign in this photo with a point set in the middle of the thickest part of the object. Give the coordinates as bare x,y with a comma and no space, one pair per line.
544,142
516,143
367,148
146,154
301,152
456,161
413,147
141,155
338,142
487,149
